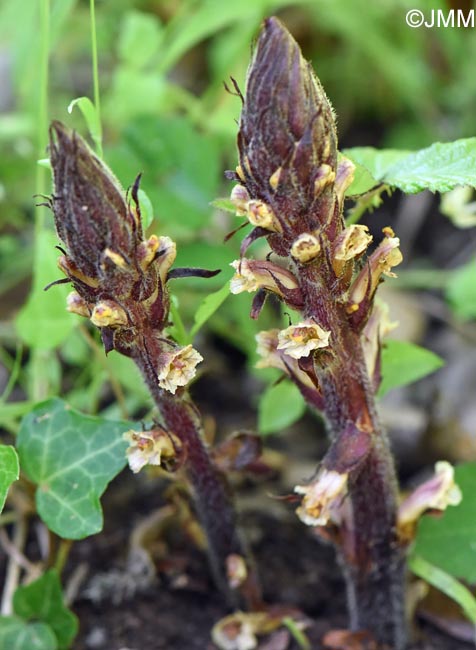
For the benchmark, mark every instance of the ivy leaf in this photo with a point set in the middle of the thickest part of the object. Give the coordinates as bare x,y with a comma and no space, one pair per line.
438,168
9,471
43,600
15,634
447,541
404,362
71,458
209,306
280,406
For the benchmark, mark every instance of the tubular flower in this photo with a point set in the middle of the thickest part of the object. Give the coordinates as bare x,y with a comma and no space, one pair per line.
178,368
108,313
76,305
383,259
150,447
322,499
300,340
352,242
239,197
376,329
252,275
344,178
437,493
305,248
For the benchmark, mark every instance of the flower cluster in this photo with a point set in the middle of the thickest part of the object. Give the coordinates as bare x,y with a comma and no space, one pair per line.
291,187
119,276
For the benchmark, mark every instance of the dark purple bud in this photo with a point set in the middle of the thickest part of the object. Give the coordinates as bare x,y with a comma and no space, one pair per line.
92,217
287,140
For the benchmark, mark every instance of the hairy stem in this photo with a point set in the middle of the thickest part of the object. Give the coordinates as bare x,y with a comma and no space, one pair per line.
211,493
372,559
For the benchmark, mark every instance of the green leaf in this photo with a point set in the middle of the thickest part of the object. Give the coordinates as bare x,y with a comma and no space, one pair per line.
91,117
209,306
404,362
376,161
461,291
71,458
224,204
448,541
139,38
43,322
438,168
146,209
445,583
279,407
9,471
43,600
15,634
363,181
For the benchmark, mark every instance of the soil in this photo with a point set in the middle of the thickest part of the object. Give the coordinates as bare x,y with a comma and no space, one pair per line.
179,614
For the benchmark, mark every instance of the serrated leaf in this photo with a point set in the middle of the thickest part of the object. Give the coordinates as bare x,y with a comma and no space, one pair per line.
139,38
438,168
445,583
280,406
404,362
71,458
461,291
209,306
91,117
16,634
43,600
44,323
376,161
363,181
448,541
9,471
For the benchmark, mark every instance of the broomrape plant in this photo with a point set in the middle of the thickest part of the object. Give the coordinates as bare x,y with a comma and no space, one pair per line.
290,186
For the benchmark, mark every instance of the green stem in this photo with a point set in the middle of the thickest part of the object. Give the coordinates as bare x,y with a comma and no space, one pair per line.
94,53
38,385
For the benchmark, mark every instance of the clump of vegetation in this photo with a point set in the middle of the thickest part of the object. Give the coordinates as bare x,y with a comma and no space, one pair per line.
322,272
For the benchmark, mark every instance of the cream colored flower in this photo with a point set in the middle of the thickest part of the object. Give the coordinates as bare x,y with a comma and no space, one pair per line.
300,340
239,197
260,214
322,498
77,305
149,447
267,348
376,329
168,249
147,251
108,313
305,248
437,493
252,275
352,242
178,368
383,259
